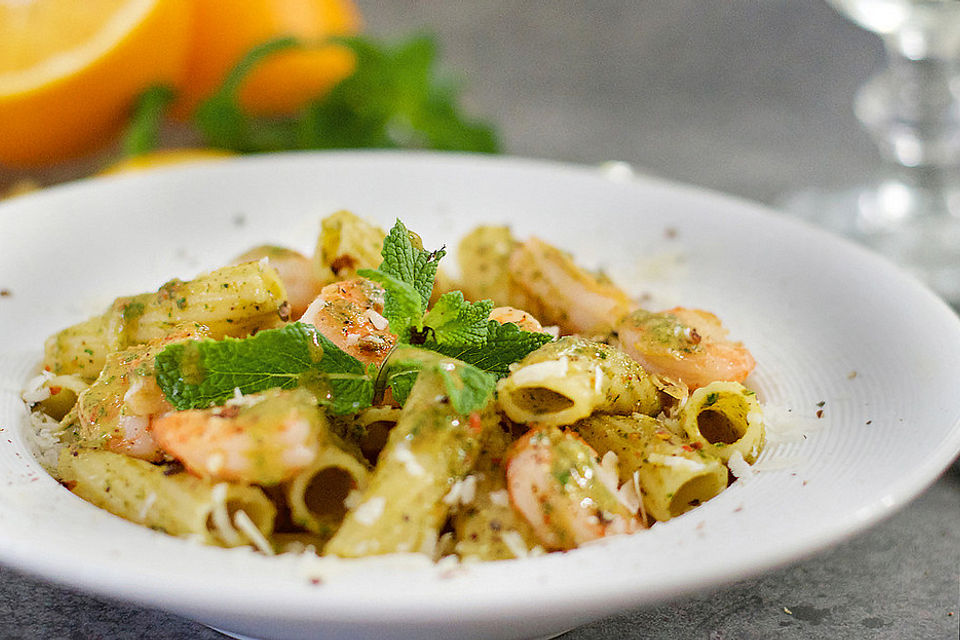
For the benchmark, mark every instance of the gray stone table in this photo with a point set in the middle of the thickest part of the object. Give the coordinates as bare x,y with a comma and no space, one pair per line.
748,97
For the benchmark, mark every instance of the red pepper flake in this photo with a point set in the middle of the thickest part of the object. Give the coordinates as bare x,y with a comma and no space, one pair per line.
55,390
687,447
821,403
819,413
475,424
316,581
869,422
696,446
5,293
670,233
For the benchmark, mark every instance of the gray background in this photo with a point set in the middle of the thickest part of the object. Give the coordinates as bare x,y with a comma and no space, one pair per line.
748,97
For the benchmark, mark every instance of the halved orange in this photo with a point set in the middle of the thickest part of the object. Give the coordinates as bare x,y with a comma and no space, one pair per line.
224,30
70,70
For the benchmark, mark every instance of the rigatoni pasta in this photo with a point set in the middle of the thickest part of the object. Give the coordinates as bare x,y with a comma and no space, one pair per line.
231,301
403,413
431,448
569,379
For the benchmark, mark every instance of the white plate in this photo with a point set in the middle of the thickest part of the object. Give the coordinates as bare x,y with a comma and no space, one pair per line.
827,322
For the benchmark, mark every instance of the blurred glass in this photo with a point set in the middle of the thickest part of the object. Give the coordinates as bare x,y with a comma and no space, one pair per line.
911,108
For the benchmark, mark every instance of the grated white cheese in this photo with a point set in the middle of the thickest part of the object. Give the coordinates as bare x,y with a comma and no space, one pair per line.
221,517
376,319
541,371
515,543
597,379
740,467
352,501
629,493
677,462
247,526
406,457
500,498
241,401
781,425
462,492
43,439
147,503
370,511
36,389
215,462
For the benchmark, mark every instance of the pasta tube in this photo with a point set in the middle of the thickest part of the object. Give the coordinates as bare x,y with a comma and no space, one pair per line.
180,504
483,257
317,495
724,417
672,475
487,527
231,301
346,243
430,449
567,380
369,429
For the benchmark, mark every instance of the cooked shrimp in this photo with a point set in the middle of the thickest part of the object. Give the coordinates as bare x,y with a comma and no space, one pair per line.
115,412
689,345
295,271
557,484
349,313
559,292
258,439
519,317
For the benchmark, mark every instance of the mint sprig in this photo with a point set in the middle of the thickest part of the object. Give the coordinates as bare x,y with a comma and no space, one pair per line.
455,335
200,374
454,327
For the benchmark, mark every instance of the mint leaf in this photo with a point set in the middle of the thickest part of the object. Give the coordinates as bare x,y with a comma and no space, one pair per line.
400,376
454,321
402,305
408,263
468,388
199,374
505,344
406,273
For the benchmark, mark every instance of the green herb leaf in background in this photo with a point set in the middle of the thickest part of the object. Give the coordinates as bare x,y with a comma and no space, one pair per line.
143,131
394,99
